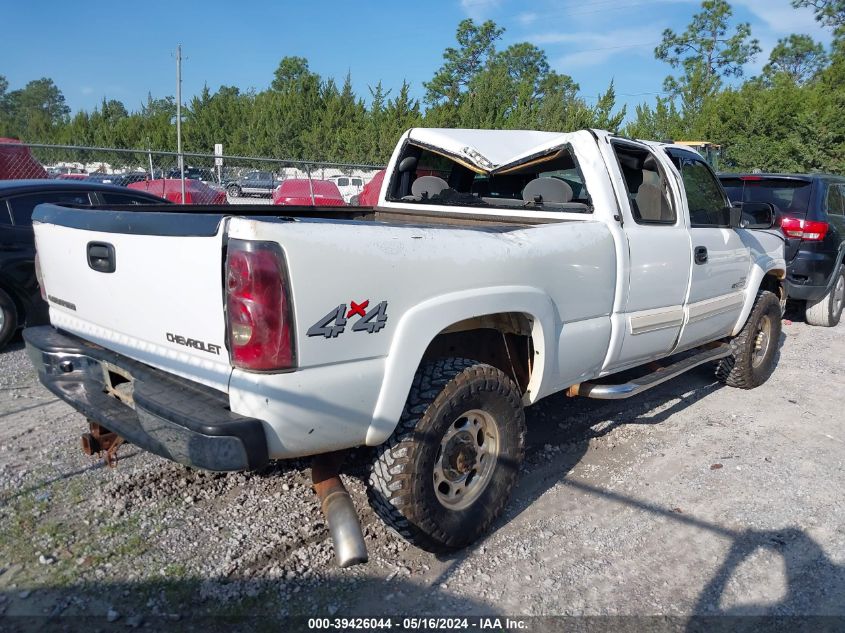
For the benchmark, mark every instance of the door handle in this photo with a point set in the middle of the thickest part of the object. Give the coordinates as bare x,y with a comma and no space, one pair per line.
700,254
101,257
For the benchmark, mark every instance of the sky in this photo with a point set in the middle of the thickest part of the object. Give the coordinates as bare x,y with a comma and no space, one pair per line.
126,50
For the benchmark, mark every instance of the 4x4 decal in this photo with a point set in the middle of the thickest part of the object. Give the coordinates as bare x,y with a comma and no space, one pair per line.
334,323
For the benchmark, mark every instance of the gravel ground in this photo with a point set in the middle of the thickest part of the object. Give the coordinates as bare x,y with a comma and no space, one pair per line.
689,499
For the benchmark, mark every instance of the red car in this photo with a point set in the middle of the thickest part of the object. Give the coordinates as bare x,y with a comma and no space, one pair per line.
301,192
369,194
17,163
196,191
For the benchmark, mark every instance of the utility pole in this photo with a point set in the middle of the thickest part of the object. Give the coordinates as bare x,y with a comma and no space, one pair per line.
180,157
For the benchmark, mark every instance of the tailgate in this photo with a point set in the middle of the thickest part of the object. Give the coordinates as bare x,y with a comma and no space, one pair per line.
162,304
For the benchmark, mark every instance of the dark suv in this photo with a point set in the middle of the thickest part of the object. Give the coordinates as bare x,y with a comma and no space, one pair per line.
203,174
20,299
253,183
812,209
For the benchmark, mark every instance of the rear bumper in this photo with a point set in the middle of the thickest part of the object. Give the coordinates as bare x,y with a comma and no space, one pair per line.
804,292
172,417
809,274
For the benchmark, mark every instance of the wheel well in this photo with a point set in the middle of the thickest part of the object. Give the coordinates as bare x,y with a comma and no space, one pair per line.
773,282
502,340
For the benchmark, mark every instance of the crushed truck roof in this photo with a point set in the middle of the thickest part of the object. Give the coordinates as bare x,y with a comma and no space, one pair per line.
489,149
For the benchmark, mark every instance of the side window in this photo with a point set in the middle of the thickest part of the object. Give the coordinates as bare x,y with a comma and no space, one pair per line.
110,197
22,206
707,203
357,182
836,199
733,187
343,182
646,184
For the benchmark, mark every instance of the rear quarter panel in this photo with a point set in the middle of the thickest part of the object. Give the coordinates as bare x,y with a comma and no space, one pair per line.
350,389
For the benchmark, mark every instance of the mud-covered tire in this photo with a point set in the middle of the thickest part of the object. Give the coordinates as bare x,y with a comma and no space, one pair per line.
827,311
446,396
755,347
8,319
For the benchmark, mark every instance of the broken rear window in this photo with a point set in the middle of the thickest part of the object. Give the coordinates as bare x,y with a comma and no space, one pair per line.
547,182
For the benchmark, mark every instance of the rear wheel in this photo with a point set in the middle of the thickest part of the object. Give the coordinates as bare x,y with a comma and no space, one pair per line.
233,191
448,470
755,347
827,311
8,318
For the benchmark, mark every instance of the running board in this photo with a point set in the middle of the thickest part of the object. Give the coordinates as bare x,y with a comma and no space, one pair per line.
658,376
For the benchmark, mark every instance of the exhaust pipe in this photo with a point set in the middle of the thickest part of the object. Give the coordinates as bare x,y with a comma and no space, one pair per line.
344,526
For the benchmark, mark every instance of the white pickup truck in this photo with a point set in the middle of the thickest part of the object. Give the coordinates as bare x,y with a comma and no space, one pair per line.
498,267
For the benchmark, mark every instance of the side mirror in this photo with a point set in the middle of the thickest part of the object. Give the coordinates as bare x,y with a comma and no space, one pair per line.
736,216
757,215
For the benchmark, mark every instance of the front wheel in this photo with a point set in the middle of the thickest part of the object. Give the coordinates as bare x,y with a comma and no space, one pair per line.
8,318
447,471
233,191
827,311
752,360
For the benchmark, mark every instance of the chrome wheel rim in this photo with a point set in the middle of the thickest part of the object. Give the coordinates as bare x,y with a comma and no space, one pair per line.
762,341
839,295
466,459
2,319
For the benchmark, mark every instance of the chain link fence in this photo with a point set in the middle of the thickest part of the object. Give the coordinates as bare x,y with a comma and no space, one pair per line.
201,178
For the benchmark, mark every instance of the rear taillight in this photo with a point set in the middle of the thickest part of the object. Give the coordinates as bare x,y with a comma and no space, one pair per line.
807,230
39,276
259,315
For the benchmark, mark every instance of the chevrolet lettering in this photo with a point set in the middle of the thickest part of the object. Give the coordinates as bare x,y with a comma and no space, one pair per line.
211,348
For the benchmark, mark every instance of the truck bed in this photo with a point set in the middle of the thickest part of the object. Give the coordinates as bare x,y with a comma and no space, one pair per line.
354,214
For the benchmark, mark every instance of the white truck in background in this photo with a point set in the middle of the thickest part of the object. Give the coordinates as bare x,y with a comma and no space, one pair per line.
497,268
349,186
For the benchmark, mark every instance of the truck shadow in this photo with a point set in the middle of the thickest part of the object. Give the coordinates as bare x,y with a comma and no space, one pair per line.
814,583
812,601
208,605
560,428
